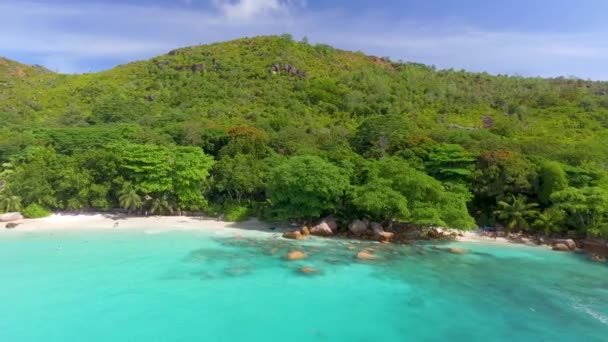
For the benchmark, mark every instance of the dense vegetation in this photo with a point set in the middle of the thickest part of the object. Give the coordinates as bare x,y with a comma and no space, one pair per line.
286,130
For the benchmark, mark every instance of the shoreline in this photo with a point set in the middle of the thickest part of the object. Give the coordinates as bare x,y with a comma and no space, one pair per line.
251,228
158,224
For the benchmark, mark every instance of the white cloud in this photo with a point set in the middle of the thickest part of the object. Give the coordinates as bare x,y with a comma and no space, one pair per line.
247,9
76,37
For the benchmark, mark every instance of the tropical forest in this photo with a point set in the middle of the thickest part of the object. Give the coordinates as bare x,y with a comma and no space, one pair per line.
284,130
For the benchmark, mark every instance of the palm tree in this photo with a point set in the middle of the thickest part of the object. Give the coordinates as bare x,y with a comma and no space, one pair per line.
10,203
516,213
160,205
550,220
129,199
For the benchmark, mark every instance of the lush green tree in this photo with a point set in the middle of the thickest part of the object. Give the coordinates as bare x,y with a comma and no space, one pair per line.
586,208
210,137
503,173
241,177
160,205
516,213
190,169
376,200
246,140
552,178
129,198
34,174
428,200
35,210
450,162
9,203
118,108
306,187
379,135
146,167
551,220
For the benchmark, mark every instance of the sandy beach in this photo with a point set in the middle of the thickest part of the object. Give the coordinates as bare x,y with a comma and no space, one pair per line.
150,224
159,224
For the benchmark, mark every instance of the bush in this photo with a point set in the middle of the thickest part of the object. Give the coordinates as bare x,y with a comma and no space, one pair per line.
236,213
35,211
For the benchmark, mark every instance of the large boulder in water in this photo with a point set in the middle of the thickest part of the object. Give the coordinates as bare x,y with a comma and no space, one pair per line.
296,255
293,235
560,247
358,227
308,270
568,242
366,255
8,217
384,236
379,233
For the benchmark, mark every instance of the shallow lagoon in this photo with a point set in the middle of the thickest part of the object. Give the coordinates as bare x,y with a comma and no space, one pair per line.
196,286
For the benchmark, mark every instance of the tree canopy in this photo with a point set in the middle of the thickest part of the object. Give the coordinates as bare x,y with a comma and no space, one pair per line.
282,129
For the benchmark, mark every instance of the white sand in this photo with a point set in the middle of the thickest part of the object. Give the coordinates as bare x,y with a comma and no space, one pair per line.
477,236
149,224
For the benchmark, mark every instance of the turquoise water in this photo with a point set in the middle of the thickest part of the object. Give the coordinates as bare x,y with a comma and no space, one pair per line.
192,286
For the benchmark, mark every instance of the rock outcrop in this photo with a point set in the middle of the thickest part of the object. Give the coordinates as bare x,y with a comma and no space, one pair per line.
198,67
9,217
384,237
288,69
293,235
568,242
380,234
598,250
560,247
326,227
322,229
487,122
358,227
331,222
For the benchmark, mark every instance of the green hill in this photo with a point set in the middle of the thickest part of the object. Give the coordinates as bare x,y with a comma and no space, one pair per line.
272,98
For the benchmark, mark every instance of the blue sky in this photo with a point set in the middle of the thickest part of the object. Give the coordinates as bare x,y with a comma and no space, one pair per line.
529,38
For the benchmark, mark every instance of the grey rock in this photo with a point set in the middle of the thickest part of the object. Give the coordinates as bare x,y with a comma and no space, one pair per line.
322,229
11,225
568,242
8,217
358,227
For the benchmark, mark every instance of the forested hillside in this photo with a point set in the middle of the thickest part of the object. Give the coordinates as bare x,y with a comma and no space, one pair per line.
280,129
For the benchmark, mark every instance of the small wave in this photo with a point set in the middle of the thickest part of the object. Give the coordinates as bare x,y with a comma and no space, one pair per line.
598,316
154,232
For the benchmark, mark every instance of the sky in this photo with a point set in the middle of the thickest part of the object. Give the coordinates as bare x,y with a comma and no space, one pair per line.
546,38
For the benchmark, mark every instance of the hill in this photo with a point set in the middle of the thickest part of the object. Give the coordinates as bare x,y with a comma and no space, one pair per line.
272,97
